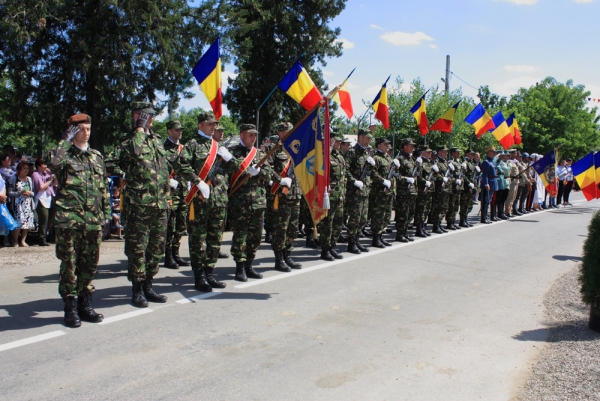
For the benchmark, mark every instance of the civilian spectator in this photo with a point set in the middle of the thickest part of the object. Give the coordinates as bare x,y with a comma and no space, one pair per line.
561,175
6,170
568,184
43,183
3,201
20,192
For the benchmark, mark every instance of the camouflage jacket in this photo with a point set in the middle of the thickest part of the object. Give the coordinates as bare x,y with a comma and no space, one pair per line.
278,161
439,182
111,161
253,193
143,160
356,162
470,176
383,163
407,166
456,174
427,174
337,176
82,197
173,151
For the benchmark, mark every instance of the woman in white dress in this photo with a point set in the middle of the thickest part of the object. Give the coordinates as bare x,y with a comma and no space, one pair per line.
20,191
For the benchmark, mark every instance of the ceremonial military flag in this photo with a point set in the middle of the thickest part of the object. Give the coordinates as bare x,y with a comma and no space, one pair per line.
584,172
480,120
380,105
502,133
444,124
420,113
298,85
597,167
208,74
514,128
342,97
546,169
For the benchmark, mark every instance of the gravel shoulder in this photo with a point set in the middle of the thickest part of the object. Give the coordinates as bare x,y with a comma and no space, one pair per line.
568,367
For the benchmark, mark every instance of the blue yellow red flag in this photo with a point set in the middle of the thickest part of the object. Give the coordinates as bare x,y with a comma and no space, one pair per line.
380,105
480,120
208,74
420,113
546,169
584,172
597,167
502,133
298,85
444,123
514,128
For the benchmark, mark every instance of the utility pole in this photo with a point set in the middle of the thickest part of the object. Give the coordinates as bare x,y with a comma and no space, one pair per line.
447,80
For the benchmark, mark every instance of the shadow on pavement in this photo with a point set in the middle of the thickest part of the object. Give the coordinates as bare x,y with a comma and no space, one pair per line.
565,258
572,331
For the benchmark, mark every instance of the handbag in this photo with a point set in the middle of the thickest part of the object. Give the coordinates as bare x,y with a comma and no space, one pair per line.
7,222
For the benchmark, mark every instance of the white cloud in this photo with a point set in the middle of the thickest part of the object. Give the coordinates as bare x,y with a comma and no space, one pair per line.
328,73
521,68
406,39
376,27
352,86
511,86
433,46
372,91
522,2
346,44
225,75
583,1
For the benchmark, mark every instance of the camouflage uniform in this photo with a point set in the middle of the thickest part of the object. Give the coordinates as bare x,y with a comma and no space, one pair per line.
270,197
358,199
456,190
441,194
424,194
330,227
177,221
466,197
406,194
382,207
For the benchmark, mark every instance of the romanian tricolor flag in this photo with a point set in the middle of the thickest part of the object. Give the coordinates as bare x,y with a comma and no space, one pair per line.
480,120
380,105
298,85
584,172
502,133
546,169
514,128
305,148
208,74
444,124
342,97
597,167
420,113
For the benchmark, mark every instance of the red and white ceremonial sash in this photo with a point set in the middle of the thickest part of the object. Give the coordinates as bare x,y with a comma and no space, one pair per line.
283,174
210,160
245,164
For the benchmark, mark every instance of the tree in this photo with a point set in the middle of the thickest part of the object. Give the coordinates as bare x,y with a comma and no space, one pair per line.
189,122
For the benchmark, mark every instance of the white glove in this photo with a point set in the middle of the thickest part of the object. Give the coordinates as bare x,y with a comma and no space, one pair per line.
358,184
253,170
396,162
173,183
106,221
478,169
204,189
427,184
270,183
435,168
458,181
286,182
224,153
451,166
410,180
387,183
464,165
370,161
445,179
419,160
471,185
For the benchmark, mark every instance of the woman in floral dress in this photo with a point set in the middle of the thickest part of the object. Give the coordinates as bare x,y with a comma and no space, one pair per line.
20,189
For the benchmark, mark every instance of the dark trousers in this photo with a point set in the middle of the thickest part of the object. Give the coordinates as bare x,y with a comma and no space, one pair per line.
567,192
42,214
486,197
561,191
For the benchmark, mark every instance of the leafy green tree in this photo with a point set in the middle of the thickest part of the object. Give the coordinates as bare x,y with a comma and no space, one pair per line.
189,122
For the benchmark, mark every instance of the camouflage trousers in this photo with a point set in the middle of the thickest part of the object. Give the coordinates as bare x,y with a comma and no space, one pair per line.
305,217
78,251
381,212
472,201
269,212
144,240
205,234
247,227
285,223
466,202
358,208
405,210
422,207
453,206
176,224
439,204
330,227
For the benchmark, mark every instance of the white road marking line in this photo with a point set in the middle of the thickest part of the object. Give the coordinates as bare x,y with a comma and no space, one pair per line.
198,297
389,248
31,340
127,315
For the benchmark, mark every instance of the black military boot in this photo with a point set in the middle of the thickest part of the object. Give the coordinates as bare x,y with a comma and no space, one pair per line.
150,294
436,229
138,299
250,272
501,212
420,232
223,255
515,211
450,226
240,271
268,237
400,237
441,227
310,242
463,222
342,239
169,261
456,225
360,246
200,281
211,279
352,248
427,233
178,259
493,213
408,236
335,254
289,261
71,316
366,233
325,255
280,264
383,241
377,241
85,310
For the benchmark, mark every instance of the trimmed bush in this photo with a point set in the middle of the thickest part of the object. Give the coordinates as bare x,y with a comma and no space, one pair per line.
590,267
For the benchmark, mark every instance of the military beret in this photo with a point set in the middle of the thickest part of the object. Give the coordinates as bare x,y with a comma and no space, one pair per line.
219,127
363,131
79,119
135,106
284,127
206,116
174,125
251,128
381,139
441,147
407,141
454,149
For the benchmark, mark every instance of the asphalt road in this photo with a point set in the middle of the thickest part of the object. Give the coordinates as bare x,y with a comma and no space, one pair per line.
458,316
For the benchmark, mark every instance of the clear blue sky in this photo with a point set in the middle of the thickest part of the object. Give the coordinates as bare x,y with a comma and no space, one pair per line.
506,44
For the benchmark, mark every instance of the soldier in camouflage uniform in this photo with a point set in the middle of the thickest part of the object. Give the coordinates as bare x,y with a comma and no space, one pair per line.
360,165
287,213
176,223
270,197
425,190
218,136
330,227
442,191
406,188
382,190
248,203
206,224
82,207
344,148
143,161
456,185
467,196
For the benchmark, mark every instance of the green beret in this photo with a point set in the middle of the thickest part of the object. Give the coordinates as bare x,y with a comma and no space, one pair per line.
284,127
381,139
206,116
174,125
251,128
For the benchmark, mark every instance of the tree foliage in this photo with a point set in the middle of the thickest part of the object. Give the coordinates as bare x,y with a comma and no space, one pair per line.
589,276
189,122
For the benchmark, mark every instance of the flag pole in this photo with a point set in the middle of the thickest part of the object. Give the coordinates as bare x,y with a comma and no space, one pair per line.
258,114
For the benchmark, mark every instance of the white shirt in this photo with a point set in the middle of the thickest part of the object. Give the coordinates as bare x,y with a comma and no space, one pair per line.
2,184
204,135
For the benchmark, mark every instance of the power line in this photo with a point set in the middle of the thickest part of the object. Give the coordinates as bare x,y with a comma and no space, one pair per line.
465,82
